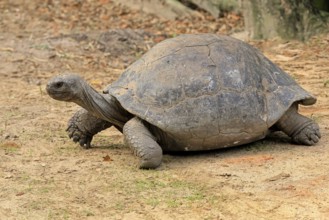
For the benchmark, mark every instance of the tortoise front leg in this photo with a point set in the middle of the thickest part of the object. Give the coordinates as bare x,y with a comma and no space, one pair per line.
83,126
143,143
301,129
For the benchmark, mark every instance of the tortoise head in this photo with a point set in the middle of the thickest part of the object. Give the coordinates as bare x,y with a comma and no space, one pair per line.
72,88
65,87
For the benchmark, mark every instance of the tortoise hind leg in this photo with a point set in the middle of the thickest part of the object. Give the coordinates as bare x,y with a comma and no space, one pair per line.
143,143
301,129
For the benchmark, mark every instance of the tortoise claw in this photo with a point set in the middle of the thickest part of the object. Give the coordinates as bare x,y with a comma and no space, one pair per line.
78,136
83,126
85,142
309,135
76,129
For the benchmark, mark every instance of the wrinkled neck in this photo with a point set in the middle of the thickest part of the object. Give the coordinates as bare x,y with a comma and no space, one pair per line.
102,106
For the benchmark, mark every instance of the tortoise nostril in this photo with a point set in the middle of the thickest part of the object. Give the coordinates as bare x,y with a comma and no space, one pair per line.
58,85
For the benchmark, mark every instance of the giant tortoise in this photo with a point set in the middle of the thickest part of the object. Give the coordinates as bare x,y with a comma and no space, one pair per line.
190,93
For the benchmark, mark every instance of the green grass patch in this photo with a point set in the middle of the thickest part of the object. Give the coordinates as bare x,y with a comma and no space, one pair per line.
172,193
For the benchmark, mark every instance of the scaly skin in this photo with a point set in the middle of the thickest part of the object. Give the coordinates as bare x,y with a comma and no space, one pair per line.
301,129
309,135
143,144
83,126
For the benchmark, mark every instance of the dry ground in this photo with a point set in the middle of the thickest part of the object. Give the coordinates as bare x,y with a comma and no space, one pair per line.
43,175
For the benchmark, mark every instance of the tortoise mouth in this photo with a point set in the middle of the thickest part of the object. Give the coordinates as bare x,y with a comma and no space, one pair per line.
62,96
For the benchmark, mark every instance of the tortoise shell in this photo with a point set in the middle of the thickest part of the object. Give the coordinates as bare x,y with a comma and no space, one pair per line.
207,91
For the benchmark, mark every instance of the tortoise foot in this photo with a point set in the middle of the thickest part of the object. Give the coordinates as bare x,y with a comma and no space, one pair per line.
301,129
79,136
83,126
309,135
150,164
143,144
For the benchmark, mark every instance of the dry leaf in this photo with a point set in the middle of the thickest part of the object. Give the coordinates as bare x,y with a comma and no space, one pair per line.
20,194
285,58
278,177
107,158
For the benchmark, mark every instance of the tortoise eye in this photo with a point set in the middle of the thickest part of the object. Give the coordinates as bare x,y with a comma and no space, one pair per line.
58,84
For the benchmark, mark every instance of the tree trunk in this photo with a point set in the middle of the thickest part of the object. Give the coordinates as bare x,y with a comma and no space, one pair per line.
288,19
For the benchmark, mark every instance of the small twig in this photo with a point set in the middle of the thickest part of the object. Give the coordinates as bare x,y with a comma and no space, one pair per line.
9,49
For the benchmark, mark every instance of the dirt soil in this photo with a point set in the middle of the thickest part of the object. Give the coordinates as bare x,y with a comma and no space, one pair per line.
44,175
